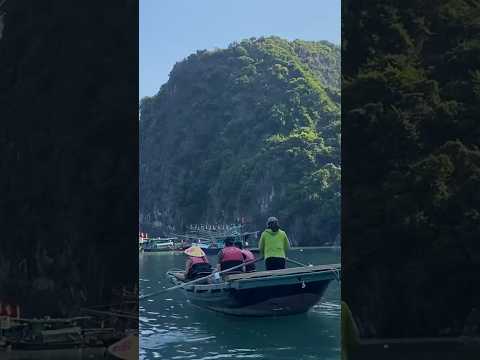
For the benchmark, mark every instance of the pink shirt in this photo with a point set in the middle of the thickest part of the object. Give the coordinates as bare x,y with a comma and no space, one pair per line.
248,255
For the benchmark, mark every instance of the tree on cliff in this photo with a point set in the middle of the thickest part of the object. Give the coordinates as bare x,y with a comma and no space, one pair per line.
411,164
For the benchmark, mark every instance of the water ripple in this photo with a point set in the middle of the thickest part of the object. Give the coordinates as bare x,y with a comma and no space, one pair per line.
171,328
327,309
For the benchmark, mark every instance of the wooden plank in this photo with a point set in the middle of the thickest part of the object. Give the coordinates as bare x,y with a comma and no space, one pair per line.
286,279
110,313
51,321
296,270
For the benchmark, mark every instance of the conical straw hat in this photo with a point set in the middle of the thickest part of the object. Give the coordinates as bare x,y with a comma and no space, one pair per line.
194,251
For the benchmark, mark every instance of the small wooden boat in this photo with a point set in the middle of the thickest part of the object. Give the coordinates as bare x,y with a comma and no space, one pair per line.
263,293
44,334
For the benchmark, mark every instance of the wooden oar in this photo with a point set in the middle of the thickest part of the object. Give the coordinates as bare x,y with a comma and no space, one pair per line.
199,279
336,272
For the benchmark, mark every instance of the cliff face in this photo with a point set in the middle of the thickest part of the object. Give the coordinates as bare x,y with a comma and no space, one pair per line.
245,132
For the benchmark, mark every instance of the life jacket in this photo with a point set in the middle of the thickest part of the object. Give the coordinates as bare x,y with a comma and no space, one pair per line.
231,253
248,256
230,256
199,266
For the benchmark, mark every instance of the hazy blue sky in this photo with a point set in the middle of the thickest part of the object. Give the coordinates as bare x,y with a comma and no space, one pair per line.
170,30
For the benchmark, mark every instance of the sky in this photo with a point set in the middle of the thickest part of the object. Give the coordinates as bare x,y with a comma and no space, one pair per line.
170,30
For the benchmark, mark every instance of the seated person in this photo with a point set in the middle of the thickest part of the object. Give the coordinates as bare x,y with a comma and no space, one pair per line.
197,264
230,256
248,257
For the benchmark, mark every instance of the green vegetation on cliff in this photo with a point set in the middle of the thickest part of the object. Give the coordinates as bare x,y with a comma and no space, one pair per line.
247,131
411,165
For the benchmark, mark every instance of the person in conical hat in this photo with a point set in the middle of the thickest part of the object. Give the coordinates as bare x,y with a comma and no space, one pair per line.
194,251
197,264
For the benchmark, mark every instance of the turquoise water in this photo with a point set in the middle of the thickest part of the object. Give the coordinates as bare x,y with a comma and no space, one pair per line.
171,328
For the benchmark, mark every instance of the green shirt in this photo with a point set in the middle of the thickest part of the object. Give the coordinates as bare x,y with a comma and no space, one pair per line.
273,244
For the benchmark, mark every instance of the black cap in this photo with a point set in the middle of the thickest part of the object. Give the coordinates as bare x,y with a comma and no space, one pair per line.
239,244
272,219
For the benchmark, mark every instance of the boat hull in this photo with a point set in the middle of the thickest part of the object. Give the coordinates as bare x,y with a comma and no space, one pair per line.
265,293
267,301
158,250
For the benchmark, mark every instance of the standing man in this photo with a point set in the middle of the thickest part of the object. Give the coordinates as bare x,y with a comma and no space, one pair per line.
274,245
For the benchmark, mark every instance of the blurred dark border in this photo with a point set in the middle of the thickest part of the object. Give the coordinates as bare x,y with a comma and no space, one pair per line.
69,156
411,168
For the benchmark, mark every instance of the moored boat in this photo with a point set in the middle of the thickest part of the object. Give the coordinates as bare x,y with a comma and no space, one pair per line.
212,242
159,244
263,293
50,334
211,248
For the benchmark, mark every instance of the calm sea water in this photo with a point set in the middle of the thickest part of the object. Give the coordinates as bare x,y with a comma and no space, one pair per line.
171,328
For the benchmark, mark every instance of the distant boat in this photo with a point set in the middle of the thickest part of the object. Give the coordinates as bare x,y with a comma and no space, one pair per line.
212,240
210,248
263,293
142,240
159,244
